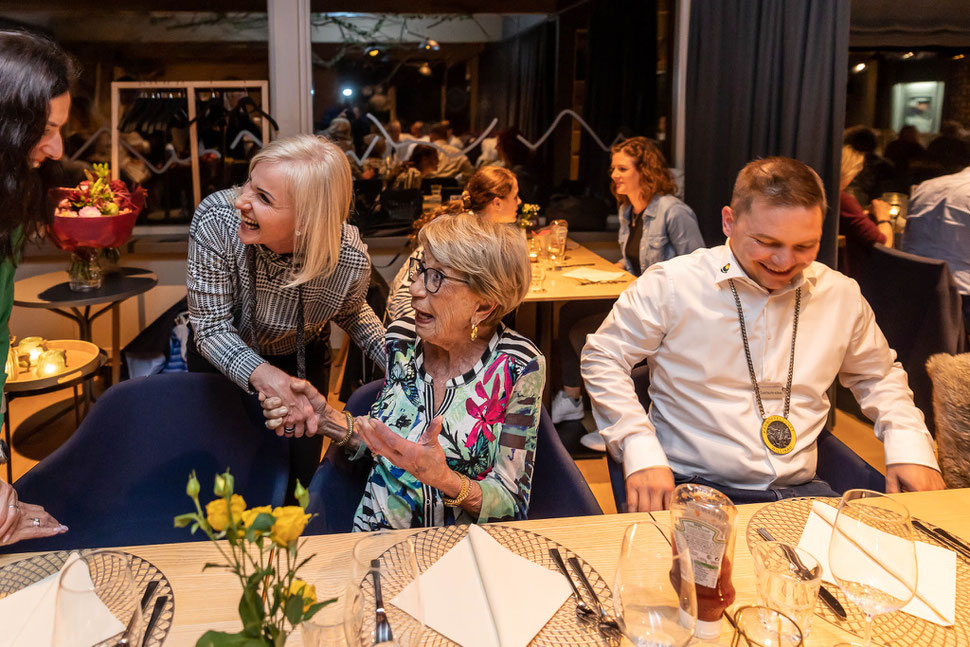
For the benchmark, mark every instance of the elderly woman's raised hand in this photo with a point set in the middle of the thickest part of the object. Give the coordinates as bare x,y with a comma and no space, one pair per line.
424,459
300,417
20,521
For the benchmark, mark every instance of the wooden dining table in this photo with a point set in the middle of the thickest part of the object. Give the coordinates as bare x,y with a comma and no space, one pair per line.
209,600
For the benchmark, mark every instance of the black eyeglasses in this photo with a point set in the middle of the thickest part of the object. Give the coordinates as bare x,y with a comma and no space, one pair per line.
432,277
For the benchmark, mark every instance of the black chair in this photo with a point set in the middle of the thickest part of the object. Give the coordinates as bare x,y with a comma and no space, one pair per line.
443,182
401,206
120,479
838,465
367,195
360,369
558,487
918,309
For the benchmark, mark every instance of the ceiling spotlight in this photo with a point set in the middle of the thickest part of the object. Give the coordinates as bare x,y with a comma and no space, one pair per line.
959,57
347,92
858,67
373,51
424,70
430,45
909,55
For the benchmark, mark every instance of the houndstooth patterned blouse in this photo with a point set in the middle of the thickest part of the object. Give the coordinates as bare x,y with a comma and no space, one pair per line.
219,287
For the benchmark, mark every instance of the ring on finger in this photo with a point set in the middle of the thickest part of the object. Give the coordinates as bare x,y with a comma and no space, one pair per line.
35,521
15,506
289,430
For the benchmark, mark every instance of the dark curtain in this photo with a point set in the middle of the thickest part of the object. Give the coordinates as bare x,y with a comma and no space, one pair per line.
621,88
764,78
517,85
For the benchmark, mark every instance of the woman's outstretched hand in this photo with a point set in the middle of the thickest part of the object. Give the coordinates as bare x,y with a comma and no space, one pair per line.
424,459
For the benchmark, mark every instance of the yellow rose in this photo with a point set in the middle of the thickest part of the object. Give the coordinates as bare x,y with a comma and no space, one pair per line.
248,516
290,522
218,516
308,591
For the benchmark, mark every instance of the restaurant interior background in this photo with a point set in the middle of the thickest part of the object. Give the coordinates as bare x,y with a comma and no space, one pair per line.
715,82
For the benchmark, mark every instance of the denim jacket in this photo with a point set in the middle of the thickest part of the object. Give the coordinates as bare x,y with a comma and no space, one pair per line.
669,229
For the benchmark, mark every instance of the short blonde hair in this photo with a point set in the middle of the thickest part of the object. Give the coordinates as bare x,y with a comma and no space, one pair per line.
852,163
493,257
317,175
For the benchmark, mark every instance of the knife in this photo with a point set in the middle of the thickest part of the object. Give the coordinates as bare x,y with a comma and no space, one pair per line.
823,593
156,612
944,537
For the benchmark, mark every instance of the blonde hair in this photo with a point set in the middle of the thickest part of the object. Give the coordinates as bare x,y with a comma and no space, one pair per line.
852,162
317,176
492,257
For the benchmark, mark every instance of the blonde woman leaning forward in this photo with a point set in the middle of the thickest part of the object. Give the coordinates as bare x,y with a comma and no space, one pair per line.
270,266
452,437
491,194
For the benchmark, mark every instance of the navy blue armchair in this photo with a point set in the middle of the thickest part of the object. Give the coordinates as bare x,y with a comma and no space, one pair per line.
558,487
120,479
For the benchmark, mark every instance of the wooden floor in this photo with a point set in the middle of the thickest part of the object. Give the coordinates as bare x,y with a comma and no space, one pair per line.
30,448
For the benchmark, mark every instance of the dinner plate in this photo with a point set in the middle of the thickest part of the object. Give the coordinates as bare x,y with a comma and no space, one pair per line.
786,519
563,628
22,574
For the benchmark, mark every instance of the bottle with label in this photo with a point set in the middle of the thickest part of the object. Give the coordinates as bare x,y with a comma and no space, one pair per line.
703,519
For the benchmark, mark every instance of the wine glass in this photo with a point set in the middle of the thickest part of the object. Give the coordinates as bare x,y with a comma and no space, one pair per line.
97,600
872,554
391,557
653,593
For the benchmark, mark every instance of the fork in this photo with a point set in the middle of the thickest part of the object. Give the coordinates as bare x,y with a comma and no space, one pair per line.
382,628
607,624
582,609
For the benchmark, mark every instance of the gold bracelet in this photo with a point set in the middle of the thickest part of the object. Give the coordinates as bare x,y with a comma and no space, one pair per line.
462,493
350,430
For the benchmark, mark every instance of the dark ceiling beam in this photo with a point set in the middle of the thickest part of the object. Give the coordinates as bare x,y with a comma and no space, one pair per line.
318,6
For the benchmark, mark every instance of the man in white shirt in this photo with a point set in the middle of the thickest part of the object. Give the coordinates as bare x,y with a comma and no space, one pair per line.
451,161
707,421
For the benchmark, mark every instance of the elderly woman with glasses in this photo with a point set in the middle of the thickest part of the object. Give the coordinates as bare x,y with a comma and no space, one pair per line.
452,437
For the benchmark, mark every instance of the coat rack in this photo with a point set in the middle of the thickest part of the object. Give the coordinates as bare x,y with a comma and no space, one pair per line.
190,88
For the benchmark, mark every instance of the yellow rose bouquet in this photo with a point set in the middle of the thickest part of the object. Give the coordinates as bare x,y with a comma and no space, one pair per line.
262,552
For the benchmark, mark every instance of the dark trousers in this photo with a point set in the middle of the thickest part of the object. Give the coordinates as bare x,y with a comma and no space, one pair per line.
576,320
304,452
815,487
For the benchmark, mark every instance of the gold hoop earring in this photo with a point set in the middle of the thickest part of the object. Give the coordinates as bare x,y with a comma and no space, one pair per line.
474,334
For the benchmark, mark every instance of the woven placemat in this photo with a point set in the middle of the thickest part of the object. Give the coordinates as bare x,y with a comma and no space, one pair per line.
18,575
786,519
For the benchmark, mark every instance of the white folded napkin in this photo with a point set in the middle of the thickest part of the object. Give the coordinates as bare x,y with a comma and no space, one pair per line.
594,275
935,566
480,594
27,616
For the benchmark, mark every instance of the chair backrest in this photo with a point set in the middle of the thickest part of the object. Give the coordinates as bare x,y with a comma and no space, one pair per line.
919,310
120,479
951,409
366,194
558,487
401,205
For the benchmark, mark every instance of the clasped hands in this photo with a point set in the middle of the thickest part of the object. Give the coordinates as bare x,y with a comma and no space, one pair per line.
424,459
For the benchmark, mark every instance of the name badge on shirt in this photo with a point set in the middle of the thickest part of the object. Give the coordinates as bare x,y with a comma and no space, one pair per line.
771,391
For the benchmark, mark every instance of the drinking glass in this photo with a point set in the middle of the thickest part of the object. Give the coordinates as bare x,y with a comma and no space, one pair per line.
557,242
330,574
398,570
785,584
538,275
93,593
872,554
649,609
756,626
535,249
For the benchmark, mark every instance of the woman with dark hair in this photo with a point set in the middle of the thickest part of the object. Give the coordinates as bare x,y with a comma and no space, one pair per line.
655,226
35,99
492,194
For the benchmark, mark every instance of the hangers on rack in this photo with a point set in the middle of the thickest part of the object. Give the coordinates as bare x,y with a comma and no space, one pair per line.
155,111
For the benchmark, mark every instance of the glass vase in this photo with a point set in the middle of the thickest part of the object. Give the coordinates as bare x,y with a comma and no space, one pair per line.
85,270
110,260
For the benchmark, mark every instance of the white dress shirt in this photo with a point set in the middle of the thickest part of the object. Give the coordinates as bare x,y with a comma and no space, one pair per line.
703,419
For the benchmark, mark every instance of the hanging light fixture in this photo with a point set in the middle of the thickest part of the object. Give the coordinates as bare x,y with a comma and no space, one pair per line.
430,45
424,70
372,51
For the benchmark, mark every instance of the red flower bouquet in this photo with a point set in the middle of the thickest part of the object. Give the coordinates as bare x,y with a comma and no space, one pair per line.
99,214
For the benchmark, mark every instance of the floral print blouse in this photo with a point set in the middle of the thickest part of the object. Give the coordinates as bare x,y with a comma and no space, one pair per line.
490,416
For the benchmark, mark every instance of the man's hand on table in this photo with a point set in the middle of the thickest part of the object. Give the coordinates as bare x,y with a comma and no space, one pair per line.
272,382
910,477
649,489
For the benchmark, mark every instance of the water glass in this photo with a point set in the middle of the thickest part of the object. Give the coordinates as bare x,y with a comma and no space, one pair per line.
556,245
90,591
756,626
538,276
398,570
786,585
872,554
649,609
330,575
535,249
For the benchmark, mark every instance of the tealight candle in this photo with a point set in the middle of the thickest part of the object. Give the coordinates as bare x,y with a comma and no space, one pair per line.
51,362
12,368
32,347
